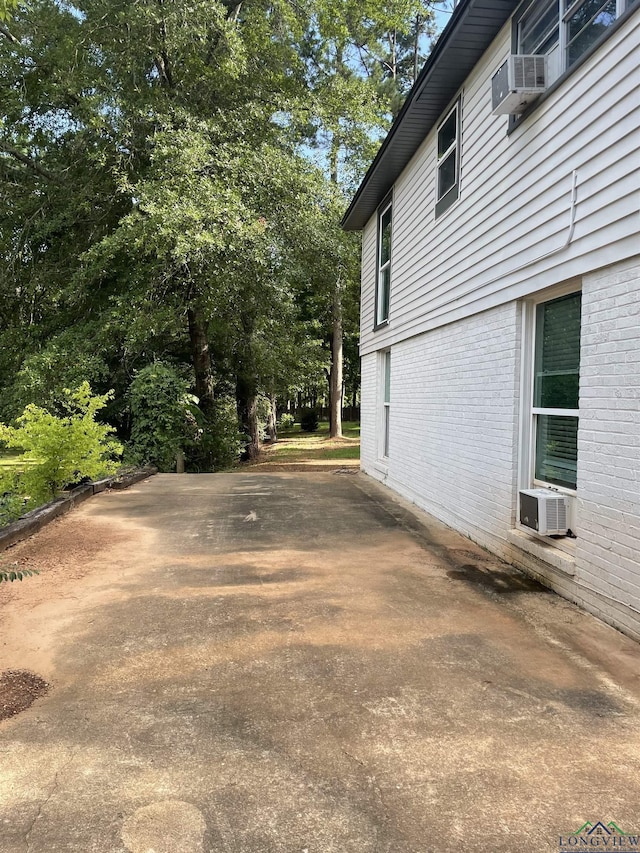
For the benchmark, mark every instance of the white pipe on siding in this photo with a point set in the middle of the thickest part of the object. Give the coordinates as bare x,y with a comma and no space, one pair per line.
572,226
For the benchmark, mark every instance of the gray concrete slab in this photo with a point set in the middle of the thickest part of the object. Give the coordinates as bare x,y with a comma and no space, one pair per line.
281,663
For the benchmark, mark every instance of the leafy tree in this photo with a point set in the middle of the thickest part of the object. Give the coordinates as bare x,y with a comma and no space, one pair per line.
163,416
158,201
357,60
60,450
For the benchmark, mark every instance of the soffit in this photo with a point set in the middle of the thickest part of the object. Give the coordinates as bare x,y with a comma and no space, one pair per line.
473,26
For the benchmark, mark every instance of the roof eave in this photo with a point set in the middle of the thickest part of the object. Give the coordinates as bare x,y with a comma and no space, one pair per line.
474,22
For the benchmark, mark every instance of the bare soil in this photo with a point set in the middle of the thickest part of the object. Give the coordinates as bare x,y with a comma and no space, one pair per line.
64,553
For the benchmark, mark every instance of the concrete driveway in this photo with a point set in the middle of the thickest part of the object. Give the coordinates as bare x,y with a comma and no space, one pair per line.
293,663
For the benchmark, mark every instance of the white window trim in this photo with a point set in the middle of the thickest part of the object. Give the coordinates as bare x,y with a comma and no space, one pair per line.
380,268
527,436
384,416
566,10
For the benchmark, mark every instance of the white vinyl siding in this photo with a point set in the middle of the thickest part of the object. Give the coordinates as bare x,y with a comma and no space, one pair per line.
494,245
368,275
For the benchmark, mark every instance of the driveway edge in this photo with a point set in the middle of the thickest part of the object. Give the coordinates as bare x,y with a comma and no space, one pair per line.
38,518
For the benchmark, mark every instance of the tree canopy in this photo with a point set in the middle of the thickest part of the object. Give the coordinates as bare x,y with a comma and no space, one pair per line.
172,176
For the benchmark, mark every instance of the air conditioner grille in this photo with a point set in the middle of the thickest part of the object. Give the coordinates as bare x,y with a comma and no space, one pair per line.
557,514
529,72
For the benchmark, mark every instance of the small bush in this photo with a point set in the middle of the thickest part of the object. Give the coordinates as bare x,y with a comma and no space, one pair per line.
15,573
12,502
309,420
59,450
286,421
164,416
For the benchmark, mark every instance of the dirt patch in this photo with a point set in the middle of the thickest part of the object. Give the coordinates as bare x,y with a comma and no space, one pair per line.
18,691
68,541
62,552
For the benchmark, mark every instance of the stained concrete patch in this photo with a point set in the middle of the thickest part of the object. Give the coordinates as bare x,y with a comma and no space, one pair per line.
168,826
502,581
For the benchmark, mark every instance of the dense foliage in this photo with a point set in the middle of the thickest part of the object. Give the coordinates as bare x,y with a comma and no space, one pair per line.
172,177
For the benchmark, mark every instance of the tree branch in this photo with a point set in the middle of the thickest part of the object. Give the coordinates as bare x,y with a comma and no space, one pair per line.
28,162
9,35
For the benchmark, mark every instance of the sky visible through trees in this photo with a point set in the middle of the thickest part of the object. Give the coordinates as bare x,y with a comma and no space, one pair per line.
172,178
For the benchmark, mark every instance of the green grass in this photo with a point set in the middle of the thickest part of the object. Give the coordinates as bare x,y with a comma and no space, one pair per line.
296,446
10,458
285,453
350,429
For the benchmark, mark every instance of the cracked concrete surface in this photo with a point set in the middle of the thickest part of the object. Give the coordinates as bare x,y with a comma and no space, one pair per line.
281,663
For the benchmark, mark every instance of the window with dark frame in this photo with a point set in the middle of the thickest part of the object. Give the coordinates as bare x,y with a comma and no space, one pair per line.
564,30
383,270
448,165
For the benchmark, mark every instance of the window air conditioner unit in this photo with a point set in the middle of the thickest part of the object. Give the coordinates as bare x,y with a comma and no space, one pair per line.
544,511
517,82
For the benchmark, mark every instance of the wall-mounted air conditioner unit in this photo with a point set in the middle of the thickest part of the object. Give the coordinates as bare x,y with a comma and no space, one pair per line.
517,82
544,511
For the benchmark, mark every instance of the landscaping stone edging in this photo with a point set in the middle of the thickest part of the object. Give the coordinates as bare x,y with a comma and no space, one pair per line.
37,518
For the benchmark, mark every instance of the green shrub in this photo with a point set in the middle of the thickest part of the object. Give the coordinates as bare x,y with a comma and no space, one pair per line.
60,450
12,501
164,416
286,421
220,443
309,420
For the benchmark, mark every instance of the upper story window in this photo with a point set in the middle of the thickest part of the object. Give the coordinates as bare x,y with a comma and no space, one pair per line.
563,30
383,270
448,166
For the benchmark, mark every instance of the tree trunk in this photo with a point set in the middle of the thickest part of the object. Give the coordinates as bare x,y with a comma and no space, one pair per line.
336,387
416,47
272,429
247,398
201,362
253,448
335,376
247,394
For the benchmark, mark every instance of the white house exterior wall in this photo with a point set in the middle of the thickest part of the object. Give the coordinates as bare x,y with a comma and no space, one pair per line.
368,413
608,544
515,196
454,447
453,422
454,392
462,289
